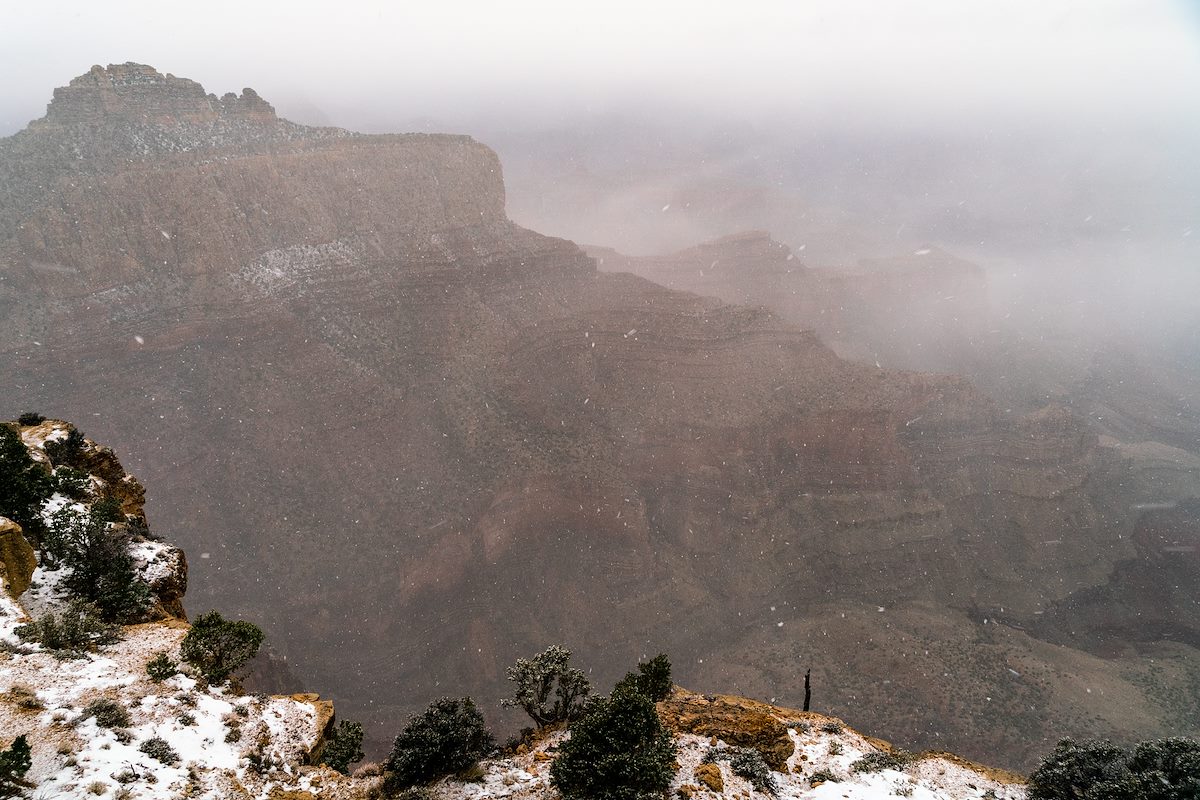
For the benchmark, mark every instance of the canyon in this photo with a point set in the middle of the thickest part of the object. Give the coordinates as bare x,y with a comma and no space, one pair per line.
414,440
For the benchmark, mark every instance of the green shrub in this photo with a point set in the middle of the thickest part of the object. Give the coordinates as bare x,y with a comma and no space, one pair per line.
14,763
447,737
161,667
618,750
76,630
101,569
745,762
24,484
31,418
70,482
879,760
216,647
159,749
1079,771
344,747
108,509
535,679
66,451
107,712
652,679
1166,769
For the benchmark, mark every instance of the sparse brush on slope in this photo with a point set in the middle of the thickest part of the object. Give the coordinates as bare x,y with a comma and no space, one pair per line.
107,712
745,762
70,633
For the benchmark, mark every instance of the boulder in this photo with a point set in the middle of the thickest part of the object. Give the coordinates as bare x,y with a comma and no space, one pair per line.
17,558
733,720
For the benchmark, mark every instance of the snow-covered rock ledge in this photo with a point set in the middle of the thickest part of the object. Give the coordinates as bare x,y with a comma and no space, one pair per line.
97,723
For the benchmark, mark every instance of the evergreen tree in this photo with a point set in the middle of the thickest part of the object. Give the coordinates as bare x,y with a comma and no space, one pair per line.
216,647
618,750
14,763
101,569
447,737
652,679
344,748
546,673
24,483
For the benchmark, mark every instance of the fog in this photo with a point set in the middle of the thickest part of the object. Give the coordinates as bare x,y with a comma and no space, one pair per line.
1035,137
916,66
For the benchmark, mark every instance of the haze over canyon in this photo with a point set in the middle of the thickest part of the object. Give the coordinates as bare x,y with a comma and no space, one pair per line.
414,439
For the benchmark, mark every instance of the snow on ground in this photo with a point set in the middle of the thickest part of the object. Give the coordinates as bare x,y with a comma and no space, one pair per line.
44,595
833,750
35,437
214,734
11,615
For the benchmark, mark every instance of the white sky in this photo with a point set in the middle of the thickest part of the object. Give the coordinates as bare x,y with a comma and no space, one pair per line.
905,60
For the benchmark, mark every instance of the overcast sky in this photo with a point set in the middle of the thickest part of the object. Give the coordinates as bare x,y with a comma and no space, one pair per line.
908,62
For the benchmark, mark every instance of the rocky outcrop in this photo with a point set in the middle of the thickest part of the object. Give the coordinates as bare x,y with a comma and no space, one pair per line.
734,720
138,93
322,724
17,558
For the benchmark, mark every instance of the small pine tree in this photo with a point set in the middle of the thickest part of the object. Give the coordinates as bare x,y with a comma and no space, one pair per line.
618,750
536,678
14,763
344,747
24,483
161,667
652,679
449,736
216,647
66,451
31,418
101,569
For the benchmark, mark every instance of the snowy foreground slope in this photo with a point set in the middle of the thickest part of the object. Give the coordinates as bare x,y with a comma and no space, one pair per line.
213,742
